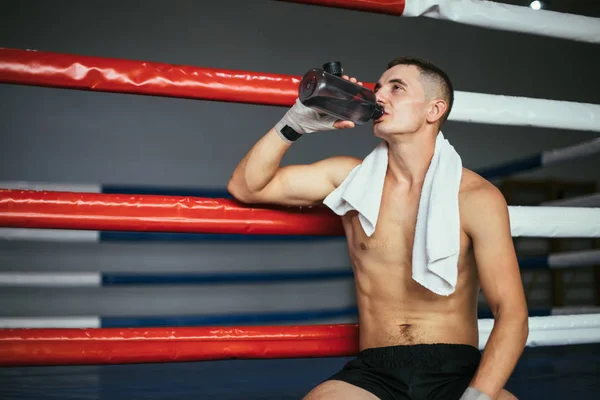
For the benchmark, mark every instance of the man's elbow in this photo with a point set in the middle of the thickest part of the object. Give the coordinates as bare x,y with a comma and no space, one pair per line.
522,328
525,325
515,316
518,319
236,190
240,192
522,323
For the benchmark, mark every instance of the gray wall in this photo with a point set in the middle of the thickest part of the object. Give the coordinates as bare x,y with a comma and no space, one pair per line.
58,135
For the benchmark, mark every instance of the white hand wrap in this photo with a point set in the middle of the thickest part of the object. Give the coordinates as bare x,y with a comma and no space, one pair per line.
474,394
300,120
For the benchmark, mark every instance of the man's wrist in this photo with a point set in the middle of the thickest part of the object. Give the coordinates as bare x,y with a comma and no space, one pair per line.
287,133
288,127
300,120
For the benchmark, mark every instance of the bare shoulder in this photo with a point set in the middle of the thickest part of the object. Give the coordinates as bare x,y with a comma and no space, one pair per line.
477,191
338,167
479,200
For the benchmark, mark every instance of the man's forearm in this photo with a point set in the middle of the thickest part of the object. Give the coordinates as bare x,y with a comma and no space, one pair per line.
501,353
260,164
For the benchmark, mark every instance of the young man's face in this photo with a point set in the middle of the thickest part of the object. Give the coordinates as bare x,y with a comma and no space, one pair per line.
401,93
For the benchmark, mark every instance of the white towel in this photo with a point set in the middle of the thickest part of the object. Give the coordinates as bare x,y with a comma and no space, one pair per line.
437,235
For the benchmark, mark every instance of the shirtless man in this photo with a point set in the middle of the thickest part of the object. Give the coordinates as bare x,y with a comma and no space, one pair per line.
413,343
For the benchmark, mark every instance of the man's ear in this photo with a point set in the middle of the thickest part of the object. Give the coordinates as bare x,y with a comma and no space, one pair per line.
437,108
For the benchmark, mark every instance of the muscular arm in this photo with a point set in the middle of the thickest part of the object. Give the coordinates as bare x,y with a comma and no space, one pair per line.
498,269
258,178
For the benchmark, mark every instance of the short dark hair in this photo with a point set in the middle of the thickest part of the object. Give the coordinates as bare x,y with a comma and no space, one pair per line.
435,73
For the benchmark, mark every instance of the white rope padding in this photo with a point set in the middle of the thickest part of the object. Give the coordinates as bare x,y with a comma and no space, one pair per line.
523,111
578,150
574,259
536,221
554,330
55,279
49,235
52,186
488,14
50,322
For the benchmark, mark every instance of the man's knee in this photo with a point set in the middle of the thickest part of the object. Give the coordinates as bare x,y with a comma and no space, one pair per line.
334,390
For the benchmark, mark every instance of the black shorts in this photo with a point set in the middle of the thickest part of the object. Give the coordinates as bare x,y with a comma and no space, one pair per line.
419,372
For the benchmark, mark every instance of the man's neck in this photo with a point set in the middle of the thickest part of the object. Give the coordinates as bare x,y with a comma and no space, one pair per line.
409,157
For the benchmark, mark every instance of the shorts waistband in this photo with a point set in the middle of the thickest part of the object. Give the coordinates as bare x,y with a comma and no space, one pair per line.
421,355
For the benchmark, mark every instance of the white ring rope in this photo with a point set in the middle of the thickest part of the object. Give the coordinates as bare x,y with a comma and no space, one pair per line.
553,330
578,150
523,111
53,279
536,221
488,14
574,259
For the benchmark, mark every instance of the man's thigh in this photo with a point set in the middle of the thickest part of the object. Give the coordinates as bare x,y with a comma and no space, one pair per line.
334,390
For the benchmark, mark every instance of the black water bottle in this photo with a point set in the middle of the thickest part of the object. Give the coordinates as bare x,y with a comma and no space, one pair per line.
325,91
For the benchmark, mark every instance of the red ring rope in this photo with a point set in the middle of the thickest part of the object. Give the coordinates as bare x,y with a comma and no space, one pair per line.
136,345
152,213
393,7
147,78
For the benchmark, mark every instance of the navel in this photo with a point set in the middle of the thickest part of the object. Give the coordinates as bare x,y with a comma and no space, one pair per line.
405,332
363,246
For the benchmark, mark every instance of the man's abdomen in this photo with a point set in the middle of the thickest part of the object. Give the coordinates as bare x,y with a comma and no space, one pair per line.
379,331
394,309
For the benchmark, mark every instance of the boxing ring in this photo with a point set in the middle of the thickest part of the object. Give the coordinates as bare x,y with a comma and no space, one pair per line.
270,354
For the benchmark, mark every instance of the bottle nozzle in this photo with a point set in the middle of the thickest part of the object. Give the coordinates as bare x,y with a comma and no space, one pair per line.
378,112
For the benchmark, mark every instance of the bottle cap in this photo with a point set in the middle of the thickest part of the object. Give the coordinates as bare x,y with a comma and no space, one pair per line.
333,68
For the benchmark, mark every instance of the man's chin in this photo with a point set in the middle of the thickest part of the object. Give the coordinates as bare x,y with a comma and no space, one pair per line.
380,132
386,132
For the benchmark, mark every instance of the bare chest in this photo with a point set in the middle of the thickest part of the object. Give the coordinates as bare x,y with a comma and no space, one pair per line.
394,234
387,254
